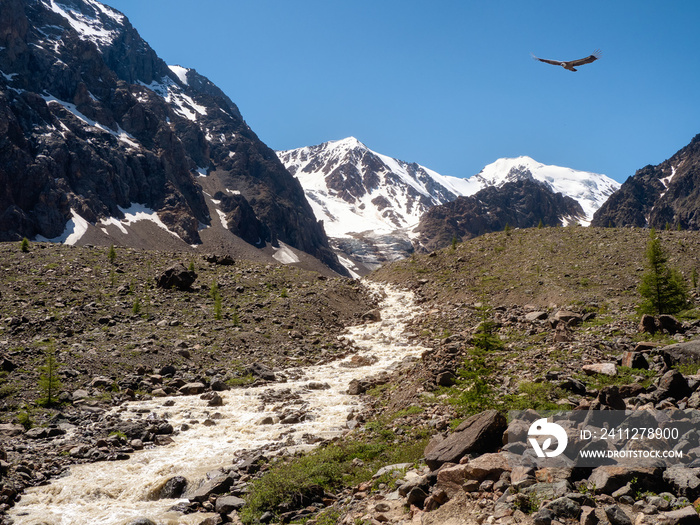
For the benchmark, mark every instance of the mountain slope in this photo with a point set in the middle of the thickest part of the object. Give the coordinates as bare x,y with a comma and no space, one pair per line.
371,203
93,123
658,195
367,201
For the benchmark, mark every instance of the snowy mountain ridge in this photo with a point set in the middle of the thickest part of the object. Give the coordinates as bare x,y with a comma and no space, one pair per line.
354,189
346,183
591,190
370,203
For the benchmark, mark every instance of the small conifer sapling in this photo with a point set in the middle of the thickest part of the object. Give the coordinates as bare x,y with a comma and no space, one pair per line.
112,255
49,383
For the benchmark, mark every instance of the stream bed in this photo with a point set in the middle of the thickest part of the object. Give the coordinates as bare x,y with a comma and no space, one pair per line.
122,491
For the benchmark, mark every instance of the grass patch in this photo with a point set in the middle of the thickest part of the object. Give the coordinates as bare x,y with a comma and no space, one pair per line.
7,388
625,376
692,314
410,411
243,380
537,396
25,419
378,390
600,320
688,368
299,481
528,503
659,337
329,516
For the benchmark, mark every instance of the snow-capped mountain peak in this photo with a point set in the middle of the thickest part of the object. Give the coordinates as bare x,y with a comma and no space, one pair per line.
591,190
347,143
354,189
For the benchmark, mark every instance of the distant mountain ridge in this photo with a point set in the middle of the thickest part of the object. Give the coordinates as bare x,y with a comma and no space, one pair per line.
371,203
520,203
590,190
102,142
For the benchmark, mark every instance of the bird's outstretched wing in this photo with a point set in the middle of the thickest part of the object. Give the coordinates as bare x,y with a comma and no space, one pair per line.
590,58
554,62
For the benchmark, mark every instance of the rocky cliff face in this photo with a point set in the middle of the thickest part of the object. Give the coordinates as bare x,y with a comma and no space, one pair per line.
519,204
658,195
92,122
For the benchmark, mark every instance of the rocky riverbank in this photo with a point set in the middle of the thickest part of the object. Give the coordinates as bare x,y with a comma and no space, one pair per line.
470,475
117,336
215,436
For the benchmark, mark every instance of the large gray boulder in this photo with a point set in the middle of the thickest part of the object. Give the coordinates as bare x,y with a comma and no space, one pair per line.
617,516
261,371
565,507
609,478
610,396
683,352
177,277
685,516
11,430
173,488
672,384
227,504
217,485
685,481
192,389
670,324
479,434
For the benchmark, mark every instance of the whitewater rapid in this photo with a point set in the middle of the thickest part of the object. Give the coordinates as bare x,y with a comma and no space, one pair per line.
115,493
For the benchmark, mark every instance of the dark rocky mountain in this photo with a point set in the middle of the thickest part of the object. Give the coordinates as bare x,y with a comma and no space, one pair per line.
658,195
93,126
522,203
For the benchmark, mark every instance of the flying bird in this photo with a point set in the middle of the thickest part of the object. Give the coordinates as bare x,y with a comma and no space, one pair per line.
571,64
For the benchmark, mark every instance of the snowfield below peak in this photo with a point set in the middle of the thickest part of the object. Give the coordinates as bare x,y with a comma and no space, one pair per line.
98,27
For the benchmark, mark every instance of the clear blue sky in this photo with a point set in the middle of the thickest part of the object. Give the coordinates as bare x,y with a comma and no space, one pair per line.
448,84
